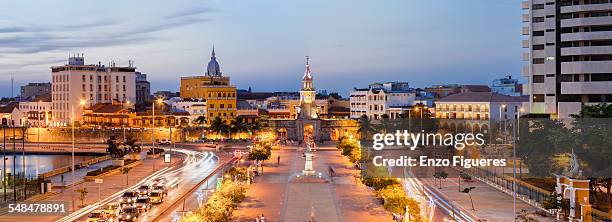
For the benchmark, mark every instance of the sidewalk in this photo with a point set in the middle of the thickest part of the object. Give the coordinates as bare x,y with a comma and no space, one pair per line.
280,197
490,204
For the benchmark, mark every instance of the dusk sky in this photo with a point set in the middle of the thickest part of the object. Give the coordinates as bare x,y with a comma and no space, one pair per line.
262,44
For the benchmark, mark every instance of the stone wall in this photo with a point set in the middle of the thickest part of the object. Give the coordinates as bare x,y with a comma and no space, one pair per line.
89,135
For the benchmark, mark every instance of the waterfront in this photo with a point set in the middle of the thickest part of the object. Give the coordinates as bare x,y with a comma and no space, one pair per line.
41,163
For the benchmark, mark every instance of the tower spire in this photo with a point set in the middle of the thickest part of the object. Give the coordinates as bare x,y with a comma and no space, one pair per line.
213,51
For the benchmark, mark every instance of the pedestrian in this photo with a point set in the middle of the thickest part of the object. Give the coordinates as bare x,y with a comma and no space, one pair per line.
278,160
262,218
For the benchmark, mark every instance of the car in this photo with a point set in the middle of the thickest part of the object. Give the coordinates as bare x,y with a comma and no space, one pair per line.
159,181
143,204
164,142
143,190
161,188
156,197
111,209
128,197
96,215
128,213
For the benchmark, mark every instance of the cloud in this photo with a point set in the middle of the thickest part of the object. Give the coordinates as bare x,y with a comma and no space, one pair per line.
94,24
190,12
11,29
31,63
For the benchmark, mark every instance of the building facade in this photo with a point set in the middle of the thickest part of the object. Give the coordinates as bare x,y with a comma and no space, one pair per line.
479,109
507,86
215,88
569,54
38,113
379,99
35,89
78,85
143,88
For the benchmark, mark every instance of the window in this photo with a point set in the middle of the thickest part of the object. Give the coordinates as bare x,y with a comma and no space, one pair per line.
538,78
83,78
537,6
539,98
538,61
538,47
538,33
538,19
123,78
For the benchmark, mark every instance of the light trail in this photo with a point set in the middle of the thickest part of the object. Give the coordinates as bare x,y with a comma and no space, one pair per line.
194,159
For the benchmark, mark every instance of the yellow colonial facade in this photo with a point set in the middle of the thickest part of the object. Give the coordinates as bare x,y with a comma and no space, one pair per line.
216,89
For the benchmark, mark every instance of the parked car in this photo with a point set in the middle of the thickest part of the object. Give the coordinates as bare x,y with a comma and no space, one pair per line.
129,213
143,190
143,204
156,197
128,197
164,142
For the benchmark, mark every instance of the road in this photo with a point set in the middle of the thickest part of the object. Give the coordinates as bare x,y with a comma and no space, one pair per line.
180,177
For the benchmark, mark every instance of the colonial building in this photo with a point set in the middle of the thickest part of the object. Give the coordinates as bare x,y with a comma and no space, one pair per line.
12,116
478,109
78,86
307,121
213,87
380,99
38,111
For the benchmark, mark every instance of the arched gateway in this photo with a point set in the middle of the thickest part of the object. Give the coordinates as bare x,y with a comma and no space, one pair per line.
308,121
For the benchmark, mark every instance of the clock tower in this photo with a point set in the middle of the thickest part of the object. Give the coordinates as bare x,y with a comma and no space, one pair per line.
307,95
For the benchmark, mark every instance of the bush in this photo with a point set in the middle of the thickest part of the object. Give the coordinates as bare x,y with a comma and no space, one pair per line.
396,201
102,170
379,183
157,151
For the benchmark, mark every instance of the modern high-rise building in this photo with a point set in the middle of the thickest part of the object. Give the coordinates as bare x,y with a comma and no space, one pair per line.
78,85
214,88
570,54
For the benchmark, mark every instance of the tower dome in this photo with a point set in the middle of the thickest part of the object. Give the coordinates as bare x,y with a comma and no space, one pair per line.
213,68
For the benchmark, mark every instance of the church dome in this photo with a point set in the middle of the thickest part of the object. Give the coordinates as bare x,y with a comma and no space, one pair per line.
213,68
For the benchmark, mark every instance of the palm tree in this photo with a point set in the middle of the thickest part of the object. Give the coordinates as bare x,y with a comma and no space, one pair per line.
238,125
218,126
125,171
467,191
365,127
201,120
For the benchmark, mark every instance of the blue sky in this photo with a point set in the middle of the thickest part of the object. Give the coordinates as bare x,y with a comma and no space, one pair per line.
262,44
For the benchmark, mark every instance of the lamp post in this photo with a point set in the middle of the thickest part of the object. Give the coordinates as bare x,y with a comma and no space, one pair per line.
159,100
38,135
72,122
503,106
516,139
420,110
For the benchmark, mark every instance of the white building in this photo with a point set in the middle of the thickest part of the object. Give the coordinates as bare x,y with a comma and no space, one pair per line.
569,54
37,113
78,85
391,98
195,108
487,106
12,116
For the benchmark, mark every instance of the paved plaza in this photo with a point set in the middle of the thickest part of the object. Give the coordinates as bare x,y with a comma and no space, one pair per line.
280,196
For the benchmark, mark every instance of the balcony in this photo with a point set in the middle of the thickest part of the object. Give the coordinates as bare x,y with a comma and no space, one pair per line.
525,31
525,44
586,67
586,87
525,5
525,56
525,17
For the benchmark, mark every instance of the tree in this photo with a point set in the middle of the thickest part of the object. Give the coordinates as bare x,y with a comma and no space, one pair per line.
218,126
396,201
131,143
113,149
238,125
201,120
365,127
260,153
125,171
440,175
467,191
82,194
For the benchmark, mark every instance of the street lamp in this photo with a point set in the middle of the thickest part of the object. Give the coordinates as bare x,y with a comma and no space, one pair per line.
72,122
420,110
503,106
516,139
159,100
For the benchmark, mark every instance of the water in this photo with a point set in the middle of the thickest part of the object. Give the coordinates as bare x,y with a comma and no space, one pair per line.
40,163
